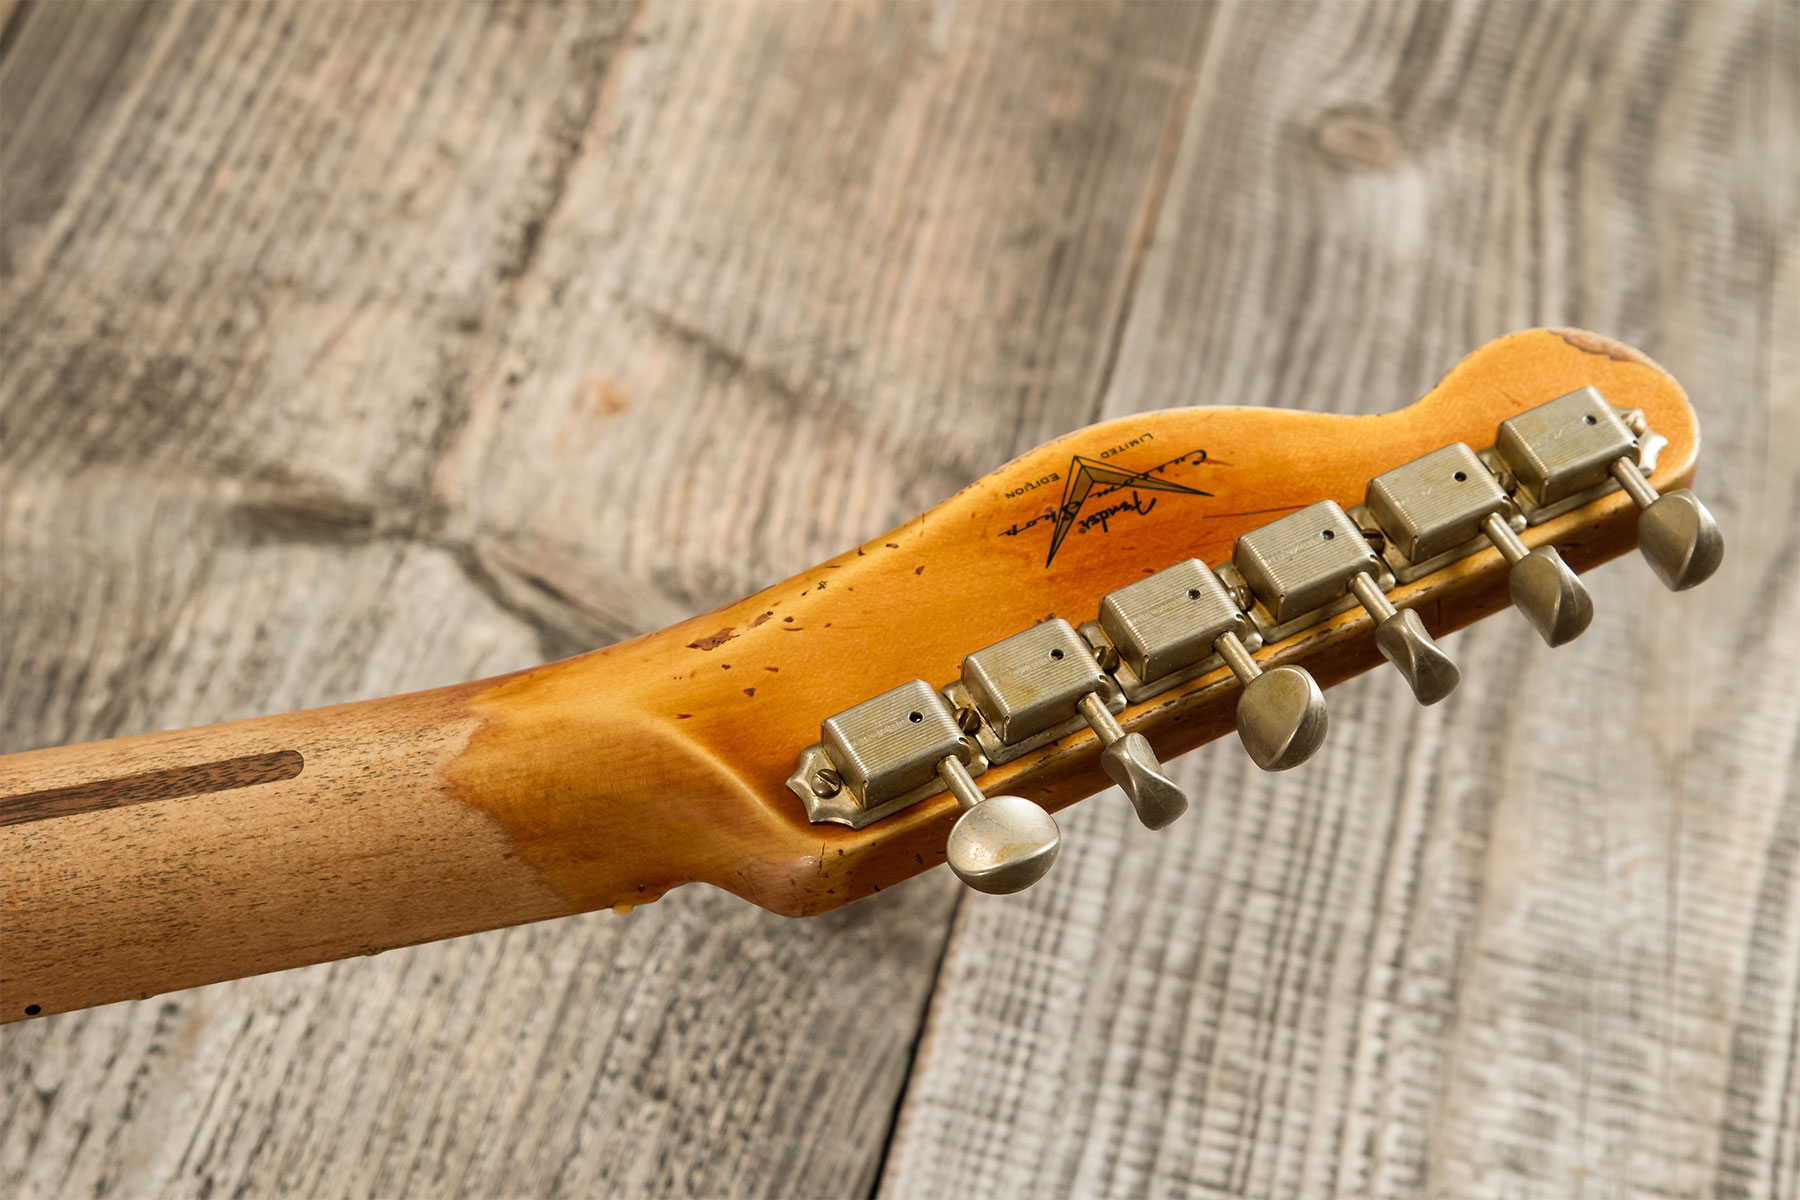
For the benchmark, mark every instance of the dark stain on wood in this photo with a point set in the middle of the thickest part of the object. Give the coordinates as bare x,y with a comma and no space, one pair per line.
172,783
712,641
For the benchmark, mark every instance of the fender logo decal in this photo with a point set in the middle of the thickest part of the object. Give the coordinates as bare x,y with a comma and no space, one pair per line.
1089,477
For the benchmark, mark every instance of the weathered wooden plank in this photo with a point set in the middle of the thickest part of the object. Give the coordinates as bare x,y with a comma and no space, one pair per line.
359,348
1544,939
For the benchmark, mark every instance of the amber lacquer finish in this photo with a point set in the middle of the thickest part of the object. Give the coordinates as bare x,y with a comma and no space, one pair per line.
146,864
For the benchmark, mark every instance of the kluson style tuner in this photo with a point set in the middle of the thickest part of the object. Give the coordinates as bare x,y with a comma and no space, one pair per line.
1187,620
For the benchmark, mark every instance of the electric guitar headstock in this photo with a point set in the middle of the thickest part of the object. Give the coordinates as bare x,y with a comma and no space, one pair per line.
1141,586
1072,620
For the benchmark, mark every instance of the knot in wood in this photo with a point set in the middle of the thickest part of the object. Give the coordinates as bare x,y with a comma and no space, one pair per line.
1358,139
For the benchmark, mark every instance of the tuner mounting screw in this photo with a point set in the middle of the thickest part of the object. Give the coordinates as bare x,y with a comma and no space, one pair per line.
968,720
826,783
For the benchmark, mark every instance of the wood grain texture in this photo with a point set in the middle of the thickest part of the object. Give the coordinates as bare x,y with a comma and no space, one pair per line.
354,349
1541,940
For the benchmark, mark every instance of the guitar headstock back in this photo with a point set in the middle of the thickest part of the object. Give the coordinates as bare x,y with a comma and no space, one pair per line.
1123,594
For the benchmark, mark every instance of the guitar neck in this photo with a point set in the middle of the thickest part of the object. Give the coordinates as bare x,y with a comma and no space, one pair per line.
171,860
174,859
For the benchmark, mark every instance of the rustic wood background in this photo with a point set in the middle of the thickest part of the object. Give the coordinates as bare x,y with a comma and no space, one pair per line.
355,348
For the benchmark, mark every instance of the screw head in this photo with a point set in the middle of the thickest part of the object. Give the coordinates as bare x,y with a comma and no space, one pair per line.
826,783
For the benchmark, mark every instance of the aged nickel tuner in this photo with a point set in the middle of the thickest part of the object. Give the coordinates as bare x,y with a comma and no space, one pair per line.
1433,507
1042,683
1181,623
1313,563
1563,452
904,745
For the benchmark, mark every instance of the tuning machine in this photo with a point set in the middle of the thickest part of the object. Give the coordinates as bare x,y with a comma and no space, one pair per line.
1314,563
1043,683
1437,507
904,745
1181,623
1566,451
